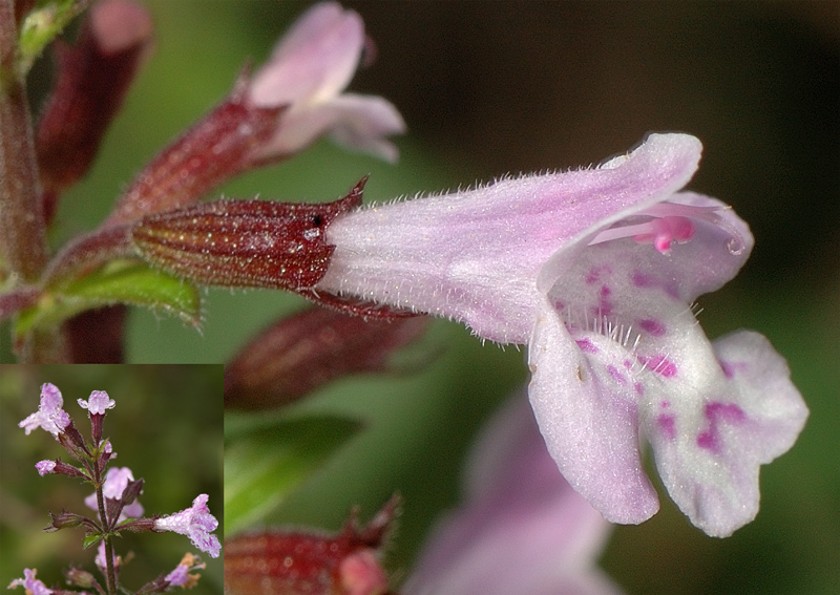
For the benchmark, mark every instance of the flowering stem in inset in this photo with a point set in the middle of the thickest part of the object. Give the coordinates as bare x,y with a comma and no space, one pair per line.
109,547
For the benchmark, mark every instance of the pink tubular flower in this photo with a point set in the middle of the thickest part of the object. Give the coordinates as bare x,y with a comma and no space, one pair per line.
596,271
288,104
522,528
308,70
97,403
50,415
116,480
32,585
196,523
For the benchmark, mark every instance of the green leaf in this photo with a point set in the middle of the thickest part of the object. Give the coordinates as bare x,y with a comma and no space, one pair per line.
42,25
120,282
91,540
263,466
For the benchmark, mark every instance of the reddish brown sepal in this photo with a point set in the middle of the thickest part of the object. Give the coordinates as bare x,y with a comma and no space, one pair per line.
244,243
65,520
216,148
93,77
309,349
355,307
272,562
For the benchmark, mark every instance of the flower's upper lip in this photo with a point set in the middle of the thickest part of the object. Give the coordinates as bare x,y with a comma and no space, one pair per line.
664,163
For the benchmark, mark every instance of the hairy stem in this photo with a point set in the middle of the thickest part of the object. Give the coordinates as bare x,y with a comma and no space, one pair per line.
22,234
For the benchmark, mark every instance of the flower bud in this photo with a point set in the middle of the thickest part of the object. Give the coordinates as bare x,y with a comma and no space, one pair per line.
216,148
80,578
64,520
302,352
93,77
296,562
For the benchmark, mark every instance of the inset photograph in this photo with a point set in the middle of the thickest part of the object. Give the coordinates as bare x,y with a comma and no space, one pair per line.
111,478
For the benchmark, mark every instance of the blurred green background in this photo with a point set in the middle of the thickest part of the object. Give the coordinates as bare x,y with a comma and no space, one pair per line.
493,87
166,426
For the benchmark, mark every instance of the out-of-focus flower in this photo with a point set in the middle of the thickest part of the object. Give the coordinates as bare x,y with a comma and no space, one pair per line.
50,415
521,529
288,103
302,352
116,481
596,270
180,575
100,559
308,70
97,403
32,585
196,523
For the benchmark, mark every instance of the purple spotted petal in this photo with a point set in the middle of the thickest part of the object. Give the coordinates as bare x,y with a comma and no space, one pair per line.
710,459
590,424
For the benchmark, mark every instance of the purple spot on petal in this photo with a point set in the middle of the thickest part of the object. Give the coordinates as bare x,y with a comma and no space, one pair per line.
717,412
643,280
659,364
604,305
586,346
640,389
616,375
594,274
667,425
707,440
652,326
729,412
627,364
